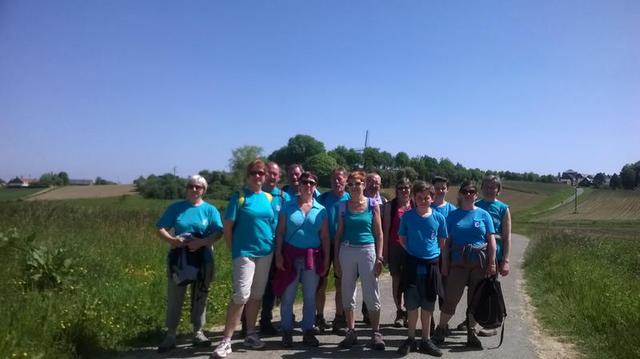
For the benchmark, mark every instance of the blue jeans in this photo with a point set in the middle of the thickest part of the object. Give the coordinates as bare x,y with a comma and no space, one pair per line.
310,280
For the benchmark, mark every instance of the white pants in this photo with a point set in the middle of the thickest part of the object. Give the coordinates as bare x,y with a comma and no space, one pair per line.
250,277
359,261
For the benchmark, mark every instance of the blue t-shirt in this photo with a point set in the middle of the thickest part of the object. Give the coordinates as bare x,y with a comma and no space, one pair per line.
330,202
422,233
253,224
280,197
468,227
497,210
445,209
303,231
358,227
203,219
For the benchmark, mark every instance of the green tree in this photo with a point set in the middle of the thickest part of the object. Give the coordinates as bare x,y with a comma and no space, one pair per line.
407,172
240,159
598,180
401,160
628,176
372,158
321,165
64,178
101,181
347,157
615,182
298,149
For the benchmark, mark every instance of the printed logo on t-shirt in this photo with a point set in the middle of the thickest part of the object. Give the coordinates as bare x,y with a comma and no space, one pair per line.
205,222
476,224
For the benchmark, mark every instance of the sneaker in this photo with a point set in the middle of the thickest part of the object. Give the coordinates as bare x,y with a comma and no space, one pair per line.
321,324
287,339
472,339
438,335
408,346
429,347
350,339
399,321
222,350
167,344
487,332
462,326
376,341
253,341
201,340
309,339
339,326
267,328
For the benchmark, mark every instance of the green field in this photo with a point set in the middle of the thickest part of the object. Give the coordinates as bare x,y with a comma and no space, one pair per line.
12,194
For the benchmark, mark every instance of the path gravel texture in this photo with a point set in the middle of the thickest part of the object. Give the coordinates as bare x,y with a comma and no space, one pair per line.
517,342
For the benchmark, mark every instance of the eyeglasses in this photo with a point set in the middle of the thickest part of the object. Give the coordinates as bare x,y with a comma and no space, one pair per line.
403,188
194,187
257,173
467,192
308,183
354,184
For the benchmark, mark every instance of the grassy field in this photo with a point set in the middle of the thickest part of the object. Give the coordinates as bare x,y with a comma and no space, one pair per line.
73,192
12,194
599,205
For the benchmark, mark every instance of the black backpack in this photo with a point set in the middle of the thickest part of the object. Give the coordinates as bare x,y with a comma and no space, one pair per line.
487,305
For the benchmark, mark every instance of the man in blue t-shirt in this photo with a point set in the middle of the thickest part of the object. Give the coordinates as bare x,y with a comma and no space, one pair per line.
330,200
293,181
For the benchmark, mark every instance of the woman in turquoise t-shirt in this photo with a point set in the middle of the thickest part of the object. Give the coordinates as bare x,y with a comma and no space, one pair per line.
501,216
359,247
468,256
248,231
195,225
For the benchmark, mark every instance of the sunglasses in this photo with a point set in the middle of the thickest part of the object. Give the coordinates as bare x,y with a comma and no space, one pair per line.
257,173
307,182
354,184
194,187
467,192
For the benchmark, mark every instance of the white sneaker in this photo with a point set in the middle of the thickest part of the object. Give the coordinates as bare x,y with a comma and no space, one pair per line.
253,341
201,340
222,350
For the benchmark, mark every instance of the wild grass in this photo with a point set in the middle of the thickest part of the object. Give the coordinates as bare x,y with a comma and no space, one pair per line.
86,276
12,194
587,288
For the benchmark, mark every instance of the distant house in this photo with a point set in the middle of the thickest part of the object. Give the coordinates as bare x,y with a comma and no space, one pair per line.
21,182
570,177
80,182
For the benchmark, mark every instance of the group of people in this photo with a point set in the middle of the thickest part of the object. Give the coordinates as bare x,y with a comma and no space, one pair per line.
283,238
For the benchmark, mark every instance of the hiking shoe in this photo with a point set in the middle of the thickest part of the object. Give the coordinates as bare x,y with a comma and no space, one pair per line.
222,350
339,326
399,321
253,341
167,344
287,339
429,347
462,326
487,332
200,340
267,328
408,346
309,339
376,341
472,339
438,335
350,339
321,324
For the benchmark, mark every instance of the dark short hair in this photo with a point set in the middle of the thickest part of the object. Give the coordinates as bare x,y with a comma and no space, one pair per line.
437,179
308,175
422,186
468,183
492,178
403,182
293,166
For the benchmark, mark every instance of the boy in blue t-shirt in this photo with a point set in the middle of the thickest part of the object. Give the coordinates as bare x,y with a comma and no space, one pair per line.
422,233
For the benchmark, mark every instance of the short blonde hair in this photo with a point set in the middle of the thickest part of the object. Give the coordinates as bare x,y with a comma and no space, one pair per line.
198,180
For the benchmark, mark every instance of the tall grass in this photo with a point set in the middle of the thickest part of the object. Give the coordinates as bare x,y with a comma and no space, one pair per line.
82,277
587,288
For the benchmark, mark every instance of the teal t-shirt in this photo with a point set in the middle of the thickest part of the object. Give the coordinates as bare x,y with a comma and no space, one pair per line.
468,227
422,233
280,197
303,231
358,227
497,210
253,224
183,217
330,202
445,209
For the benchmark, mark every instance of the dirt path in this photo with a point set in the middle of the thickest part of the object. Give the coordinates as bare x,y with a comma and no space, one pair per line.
523,338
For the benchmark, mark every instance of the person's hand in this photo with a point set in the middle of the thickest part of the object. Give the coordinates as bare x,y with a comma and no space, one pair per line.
195,244
504,268
279,262
176,242
337,269
491,270
377,268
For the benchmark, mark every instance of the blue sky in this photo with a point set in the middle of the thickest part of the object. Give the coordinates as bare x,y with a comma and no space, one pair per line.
120,89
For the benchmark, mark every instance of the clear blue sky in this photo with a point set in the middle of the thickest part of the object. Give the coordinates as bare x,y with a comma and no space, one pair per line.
125,88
